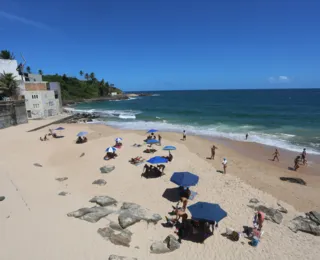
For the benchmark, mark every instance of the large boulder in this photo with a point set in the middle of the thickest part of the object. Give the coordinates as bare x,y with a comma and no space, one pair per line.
107,169
304,225
293,180
168,245
92,215
270,213
116,257
100,182
116,234
2,198
314,216
103,201
63,193
132,213
62,179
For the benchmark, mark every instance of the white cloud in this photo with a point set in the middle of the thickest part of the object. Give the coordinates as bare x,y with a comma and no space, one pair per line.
23,20
279,79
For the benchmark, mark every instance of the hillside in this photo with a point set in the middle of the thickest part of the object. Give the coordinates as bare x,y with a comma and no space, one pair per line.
75,89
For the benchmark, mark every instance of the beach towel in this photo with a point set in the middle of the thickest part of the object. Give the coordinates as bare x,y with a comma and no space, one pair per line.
193,194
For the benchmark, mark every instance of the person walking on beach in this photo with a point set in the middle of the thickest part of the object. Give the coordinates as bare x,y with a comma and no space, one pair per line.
224,164
304,156
296,163
276,155
159,138
213,152
184,135
247,135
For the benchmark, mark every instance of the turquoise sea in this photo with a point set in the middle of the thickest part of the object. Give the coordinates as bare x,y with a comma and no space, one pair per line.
288,119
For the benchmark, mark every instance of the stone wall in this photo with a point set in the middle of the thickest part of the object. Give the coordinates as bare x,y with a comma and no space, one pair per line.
12,113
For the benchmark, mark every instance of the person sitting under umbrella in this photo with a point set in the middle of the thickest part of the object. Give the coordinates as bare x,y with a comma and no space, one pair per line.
179,214
169,158
111,153
118,143
81,139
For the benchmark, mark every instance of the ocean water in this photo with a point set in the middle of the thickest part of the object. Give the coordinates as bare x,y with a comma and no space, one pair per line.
288,119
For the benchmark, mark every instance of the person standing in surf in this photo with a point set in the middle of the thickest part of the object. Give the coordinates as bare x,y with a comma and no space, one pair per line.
184,135
247,135
276,155
213,152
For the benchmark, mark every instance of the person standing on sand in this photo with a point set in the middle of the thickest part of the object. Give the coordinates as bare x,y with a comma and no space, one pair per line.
213,152
304,156
224,164
276,155
159,137
247,135
184,135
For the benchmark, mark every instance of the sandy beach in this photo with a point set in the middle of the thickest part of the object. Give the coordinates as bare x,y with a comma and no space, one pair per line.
33,217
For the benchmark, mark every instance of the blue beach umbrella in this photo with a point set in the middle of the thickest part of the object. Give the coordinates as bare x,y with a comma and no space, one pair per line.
184,179
169,148
152,131
111,149
157,159
205,211
152,141
82,133
59,128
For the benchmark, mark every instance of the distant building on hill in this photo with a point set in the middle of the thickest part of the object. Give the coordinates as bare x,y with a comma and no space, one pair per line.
42,99
113,94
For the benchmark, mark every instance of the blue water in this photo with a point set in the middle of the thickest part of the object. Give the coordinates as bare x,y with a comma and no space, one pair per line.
288,119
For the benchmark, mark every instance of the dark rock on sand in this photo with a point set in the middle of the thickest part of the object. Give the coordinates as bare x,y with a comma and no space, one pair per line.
293,180
92,215
314,216
2,198
103,201
254,201
62,179
132,213
83,154
168,245
282,209
116,257
116,234
100,182
304,225
107,169
270,213
63,193
37,165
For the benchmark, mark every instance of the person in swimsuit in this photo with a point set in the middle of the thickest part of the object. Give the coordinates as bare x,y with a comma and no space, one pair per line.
247,135
276,155
184,135
296,163
224,164
213,152
304,156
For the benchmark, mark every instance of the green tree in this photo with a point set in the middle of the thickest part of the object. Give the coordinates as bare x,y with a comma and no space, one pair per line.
86,76
81,73
92,76
6,55
28,69
40,72
8,84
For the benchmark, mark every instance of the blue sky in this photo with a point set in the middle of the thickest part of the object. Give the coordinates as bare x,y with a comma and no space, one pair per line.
150,44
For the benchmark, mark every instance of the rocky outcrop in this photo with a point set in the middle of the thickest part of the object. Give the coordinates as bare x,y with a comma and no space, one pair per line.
314,216
168,245
2,198
116,257
270,213
100,182
62,179
132,213
304,224
103,201
116,234
293,180
107,169
92,215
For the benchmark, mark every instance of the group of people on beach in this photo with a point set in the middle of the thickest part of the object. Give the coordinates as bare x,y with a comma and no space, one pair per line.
51,133
152,136
298,160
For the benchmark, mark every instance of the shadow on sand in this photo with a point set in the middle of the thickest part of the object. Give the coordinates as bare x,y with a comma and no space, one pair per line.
172,194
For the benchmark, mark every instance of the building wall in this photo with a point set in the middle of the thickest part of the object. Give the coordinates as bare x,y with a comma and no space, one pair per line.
57,89
29,77
35,86
12,113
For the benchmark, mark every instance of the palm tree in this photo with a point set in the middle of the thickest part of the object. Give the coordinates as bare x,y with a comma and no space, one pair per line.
81,73
86,76
92,76
8,84
6,55
28,69
40,72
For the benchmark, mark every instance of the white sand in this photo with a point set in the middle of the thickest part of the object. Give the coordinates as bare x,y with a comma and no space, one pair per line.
34,224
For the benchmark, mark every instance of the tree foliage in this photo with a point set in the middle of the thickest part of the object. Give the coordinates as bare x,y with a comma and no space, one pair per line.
40,72
28,69
8,84
75,89
7,55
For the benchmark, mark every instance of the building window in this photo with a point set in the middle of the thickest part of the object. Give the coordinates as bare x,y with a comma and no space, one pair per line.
34,96
35,105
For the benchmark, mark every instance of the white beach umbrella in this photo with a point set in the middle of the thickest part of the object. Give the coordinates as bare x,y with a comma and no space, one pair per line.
119,139
111,149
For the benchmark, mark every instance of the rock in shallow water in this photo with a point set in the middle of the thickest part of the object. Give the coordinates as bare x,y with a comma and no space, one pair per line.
103,200
100,182
92,215
116,257
304,225
132,213
116,234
